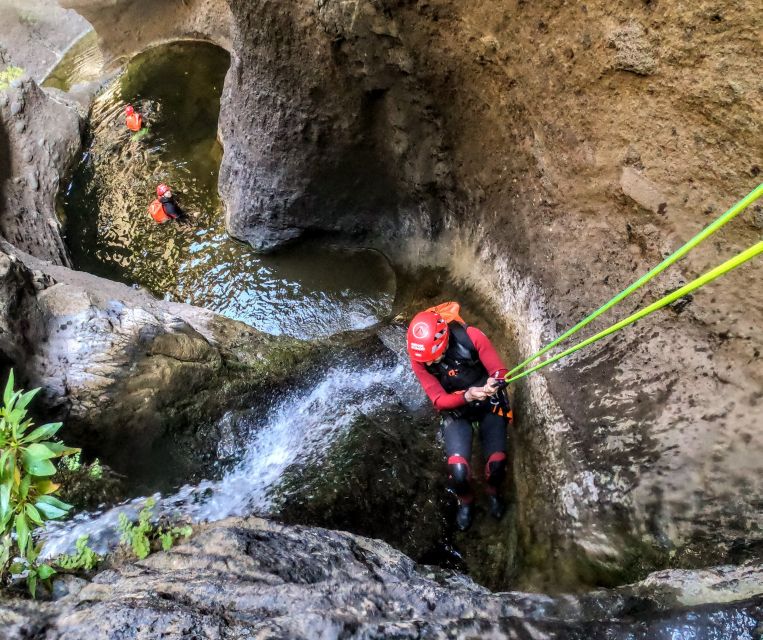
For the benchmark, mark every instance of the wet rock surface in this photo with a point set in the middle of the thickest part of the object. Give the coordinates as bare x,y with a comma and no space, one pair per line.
241,578
136,379
549,192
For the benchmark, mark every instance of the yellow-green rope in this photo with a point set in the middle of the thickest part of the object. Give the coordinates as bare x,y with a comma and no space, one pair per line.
674,257
711,275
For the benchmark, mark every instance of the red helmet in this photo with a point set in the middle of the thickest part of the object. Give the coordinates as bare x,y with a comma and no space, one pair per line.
129,110
162,189
427,336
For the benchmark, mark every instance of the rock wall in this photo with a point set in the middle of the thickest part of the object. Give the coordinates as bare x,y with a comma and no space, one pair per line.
556,151
138,380
325,126
127,27
39,136
253,578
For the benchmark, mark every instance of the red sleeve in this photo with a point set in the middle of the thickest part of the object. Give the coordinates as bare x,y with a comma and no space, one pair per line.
488,355
441,399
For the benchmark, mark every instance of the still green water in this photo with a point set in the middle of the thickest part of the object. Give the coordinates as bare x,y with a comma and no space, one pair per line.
309,291
83,62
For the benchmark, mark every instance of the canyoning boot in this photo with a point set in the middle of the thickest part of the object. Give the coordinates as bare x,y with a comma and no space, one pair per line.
496,506
464,516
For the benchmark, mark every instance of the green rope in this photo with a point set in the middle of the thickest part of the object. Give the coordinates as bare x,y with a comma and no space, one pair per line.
707,231
711,275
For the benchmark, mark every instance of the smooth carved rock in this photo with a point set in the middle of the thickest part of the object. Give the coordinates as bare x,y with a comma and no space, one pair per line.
28,217
128,27
323,126
127,371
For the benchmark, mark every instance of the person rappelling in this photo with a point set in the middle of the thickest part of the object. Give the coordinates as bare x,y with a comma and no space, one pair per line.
462,374
133,119
165,207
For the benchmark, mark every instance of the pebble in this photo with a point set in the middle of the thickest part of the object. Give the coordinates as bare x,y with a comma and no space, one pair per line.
16,107
33,182
20,127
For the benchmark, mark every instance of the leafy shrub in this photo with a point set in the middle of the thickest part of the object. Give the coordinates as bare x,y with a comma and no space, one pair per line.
26,491
140,535
84,558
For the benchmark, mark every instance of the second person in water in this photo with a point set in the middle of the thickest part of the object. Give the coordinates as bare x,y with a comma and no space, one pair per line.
463,375
165,207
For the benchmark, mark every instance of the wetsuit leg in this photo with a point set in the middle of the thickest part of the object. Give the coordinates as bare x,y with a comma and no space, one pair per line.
457,433
493,438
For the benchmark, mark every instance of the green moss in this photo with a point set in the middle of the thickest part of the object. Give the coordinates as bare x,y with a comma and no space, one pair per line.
8,75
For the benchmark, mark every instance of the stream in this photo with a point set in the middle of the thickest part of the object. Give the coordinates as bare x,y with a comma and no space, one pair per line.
306,292
369,463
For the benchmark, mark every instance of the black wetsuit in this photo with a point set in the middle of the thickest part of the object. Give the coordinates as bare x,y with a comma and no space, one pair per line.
460,369
172,209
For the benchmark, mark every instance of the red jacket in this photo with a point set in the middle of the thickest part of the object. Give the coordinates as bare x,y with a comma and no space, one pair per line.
442,400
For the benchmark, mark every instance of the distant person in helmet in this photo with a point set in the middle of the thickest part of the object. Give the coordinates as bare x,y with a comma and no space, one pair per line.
133,119
165,207
462,374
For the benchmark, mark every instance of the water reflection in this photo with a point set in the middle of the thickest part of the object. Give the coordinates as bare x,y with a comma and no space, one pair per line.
306,292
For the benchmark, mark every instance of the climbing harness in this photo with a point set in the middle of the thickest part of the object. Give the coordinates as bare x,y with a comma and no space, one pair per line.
711,275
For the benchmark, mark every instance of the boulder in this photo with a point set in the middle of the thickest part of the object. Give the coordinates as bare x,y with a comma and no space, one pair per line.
137,380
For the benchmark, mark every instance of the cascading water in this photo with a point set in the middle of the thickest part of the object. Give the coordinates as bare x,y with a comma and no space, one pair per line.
351,451
299,430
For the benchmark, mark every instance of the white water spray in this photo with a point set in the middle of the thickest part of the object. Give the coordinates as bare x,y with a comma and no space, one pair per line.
299,430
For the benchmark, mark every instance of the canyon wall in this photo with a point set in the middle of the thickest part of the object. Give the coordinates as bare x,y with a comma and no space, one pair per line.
555,151
127,27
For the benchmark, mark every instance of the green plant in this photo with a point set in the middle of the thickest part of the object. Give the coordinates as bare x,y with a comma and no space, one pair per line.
73,463
140,535
26,491
169,536
84,558
8,75
135,534
96,470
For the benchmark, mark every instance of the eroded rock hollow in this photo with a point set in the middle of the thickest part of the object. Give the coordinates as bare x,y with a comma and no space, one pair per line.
552,152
